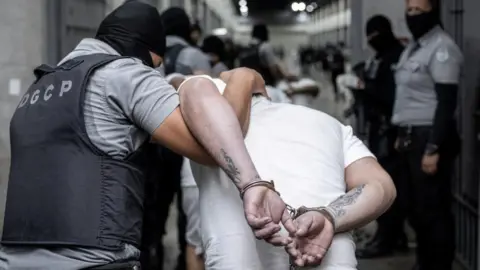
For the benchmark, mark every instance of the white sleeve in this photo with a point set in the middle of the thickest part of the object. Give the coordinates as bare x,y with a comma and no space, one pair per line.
353,148
218,83
187,179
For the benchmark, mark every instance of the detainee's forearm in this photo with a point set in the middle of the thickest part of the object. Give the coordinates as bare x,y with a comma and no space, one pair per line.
213,122
360,206
238,93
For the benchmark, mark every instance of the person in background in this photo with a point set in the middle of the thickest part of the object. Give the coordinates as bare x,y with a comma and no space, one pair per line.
428,78
181,57
379,96
231,52
196,34
261,57
184,58
336,65
214,47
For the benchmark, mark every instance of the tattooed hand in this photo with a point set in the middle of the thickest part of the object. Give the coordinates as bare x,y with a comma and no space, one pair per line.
264,209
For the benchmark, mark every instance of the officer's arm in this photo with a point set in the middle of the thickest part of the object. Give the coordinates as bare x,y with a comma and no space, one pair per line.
205,118
445,69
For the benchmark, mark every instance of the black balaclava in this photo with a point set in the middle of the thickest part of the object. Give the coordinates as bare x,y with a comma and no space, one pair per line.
177,23
420,24
134,29
260,32
385,39
214,45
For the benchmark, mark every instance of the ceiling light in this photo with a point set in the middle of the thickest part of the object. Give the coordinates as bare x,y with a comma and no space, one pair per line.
244,14
309,8
242,3
301,6
314,5
243,9
295,6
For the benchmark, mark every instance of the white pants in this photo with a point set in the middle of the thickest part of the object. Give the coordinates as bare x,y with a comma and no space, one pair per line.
191,207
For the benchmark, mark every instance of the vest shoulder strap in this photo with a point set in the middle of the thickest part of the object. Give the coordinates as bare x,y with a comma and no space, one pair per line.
171,57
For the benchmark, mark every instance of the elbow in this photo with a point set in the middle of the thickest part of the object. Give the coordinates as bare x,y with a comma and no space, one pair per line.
389,192
197,89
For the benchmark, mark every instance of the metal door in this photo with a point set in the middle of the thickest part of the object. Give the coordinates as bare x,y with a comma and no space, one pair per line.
69,21
461,21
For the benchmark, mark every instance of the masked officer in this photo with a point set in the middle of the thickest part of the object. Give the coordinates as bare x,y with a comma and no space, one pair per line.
379,96
76,187
428,77
181,57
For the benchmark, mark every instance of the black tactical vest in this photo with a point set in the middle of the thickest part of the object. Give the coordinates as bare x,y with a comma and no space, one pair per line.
63,191
250,58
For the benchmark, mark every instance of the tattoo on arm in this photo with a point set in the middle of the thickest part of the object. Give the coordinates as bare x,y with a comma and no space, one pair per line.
230,169
338,206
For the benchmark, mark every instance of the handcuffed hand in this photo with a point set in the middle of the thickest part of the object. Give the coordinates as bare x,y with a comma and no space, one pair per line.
312,240
264,209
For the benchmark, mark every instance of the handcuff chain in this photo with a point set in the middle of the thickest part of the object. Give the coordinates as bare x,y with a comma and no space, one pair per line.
293,213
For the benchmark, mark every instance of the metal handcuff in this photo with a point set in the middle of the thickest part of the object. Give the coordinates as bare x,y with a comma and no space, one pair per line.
294,213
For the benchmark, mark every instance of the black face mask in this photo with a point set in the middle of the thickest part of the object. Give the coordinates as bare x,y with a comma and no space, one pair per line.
380,43
421,23
134,29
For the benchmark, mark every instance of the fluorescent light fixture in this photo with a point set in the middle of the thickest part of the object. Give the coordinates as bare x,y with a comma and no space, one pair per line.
301,6
243,9
295,6
220,31
242,3
310,8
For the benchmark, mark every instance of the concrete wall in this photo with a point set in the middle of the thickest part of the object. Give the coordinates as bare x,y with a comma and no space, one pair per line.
22,47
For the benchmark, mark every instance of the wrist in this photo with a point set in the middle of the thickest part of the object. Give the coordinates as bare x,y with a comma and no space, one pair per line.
258,183
326,212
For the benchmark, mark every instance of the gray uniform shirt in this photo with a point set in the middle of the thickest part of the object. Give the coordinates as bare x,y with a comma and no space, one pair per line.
218,68
190,59
433,59
125,101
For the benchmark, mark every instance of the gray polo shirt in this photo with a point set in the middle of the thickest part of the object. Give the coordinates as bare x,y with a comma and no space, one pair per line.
434,59
125,101
218,68
191,59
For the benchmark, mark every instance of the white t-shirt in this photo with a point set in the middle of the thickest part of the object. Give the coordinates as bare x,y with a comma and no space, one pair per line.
305,152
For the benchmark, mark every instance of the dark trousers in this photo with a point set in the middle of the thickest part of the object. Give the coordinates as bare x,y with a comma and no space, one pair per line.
162,185
429,200
391,223
333,77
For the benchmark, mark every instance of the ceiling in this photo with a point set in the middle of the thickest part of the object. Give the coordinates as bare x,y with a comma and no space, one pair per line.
273,11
